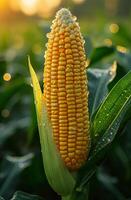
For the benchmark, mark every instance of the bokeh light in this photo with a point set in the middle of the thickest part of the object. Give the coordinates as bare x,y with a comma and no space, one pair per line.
78,1
121,49
114,28
28,7
108,42
32,7
7,77
5,113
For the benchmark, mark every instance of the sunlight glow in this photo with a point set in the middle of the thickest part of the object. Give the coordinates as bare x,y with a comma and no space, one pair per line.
2,4
28,7
46,7
78,1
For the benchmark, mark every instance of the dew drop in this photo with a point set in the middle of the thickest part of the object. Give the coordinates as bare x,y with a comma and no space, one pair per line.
35,102
48,35
74,18
110,73
31,84
108,139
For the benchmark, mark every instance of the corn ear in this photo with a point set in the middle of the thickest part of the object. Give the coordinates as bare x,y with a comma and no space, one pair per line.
57,174
65,89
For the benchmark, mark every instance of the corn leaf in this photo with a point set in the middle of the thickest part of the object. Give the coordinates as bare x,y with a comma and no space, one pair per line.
99,53
106,124
113,106
1,198
98,85
57,174
10,170
25,196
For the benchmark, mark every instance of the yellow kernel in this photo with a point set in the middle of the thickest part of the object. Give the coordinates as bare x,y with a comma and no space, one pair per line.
67,39
71,154
68,51
63,147
67,45
71,149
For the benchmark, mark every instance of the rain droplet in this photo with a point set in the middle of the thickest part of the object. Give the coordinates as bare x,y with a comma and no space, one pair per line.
108,139
31,84
35,102
44,124
110,72
74,18
48,35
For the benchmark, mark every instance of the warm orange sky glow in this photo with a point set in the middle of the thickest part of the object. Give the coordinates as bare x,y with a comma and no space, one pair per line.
30,7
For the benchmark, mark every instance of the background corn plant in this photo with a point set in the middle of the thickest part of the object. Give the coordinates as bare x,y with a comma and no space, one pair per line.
21,165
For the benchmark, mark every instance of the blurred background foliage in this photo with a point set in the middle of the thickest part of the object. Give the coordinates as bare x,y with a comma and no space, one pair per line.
105,25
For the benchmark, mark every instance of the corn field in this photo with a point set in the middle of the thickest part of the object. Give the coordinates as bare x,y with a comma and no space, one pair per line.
65,104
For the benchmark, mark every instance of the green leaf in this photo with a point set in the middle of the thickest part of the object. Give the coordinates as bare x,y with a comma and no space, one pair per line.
98,85
9,128
113,106
124,60
109,183
88,46
9,90
105,126
100,53
57,174
11,168
1,198
25,196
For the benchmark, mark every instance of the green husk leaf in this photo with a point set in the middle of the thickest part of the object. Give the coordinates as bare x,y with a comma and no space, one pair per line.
57,174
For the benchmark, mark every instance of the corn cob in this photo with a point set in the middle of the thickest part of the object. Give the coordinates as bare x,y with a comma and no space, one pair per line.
65,89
